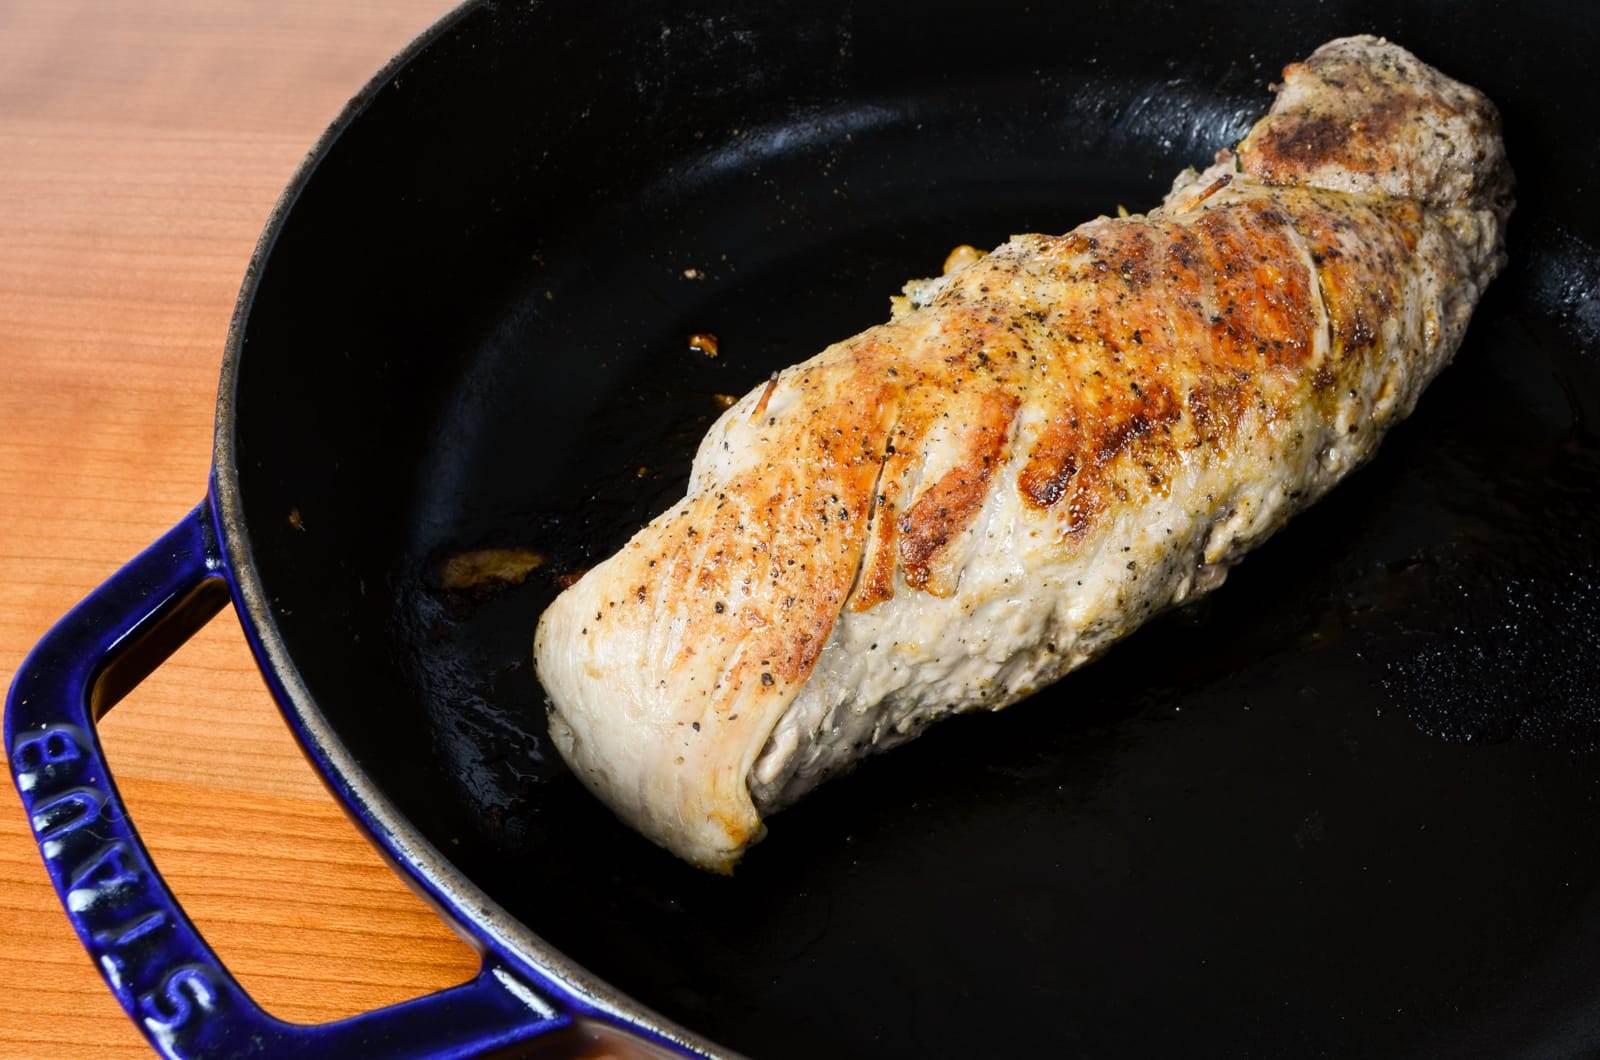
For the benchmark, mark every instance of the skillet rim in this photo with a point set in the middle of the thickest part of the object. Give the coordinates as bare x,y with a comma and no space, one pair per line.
469,909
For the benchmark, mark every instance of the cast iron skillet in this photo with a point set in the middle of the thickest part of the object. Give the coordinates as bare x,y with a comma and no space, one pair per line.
1346,805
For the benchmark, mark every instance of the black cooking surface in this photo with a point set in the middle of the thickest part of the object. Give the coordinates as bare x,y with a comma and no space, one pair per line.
1346,804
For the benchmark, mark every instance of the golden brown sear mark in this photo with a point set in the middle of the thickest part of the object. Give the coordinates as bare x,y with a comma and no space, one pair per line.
1148,338
1050,468
1200,310
946,508
773,557
1164,336
876,583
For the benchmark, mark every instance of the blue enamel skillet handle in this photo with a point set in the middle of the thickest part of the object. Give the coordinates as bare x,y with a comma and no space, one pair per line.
161,970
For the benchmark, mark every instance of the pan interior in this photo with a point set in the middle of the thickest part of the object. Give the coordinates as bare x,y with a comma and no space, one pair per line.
1349,802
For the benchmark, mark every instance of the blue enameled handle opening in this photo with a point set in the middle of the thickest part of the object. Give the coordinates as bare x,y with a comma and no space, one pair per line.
155,961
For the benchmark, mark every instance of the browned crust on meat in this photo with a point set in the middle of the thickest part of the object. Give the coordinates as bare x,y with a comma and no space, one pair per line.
768,560
1052,465
947,508
766,395
1095,362
876,583
1372,115
1186,312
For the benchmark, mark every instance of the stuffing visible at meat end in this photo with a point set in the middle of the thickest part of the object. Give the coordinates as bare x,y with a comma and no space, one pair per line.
1037,452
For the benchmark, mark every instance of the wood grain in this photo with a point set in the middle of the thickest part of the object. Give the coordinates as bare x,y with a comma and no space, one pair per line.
141,147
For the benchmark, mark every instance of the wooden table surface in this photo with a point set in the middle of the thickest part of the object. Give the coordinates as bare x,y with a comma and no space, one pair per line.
141,147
